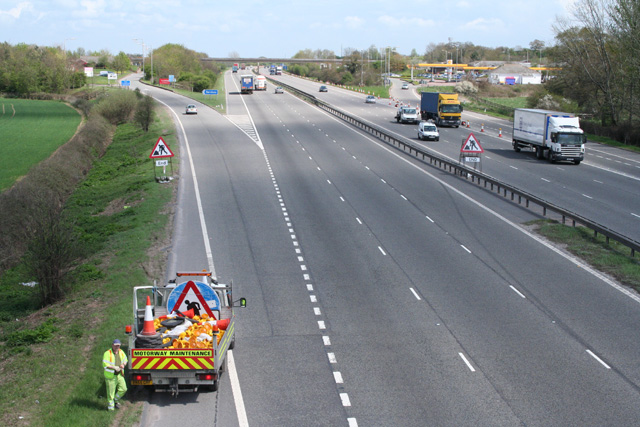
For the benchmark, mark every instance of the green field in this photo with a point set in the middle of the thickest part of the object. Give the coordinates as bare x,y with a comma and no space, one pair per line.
30,131
514,102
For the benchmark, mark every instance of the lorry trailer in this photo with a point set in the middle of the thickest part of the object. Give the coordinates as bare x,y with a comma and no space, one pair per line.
551,134
246,83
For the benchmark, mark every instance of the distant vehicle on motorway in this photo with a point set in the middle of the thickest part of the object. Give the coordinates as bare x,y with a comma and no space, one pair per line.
405,86
428,130
370,99
323,88
279,90
191,109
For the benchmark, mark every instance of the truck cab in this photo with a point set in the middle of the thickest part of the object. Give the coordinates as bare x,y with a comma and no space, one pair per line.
407,115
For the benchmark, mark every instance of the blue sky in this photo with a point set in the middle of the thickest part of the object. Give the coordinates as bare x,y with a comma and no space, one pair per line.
277,28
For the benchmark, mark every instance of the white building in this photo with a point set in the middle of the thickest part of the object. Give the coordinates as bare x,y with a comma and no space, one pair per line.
514,74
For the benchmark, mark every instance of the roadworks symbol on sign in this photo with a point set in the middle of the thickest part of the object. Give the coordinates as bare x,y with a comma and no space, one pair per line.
161,150
471,145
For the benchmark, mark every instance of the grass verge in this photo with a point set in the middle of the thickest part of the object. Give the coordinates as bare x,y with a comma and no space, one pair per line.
122,216
613,258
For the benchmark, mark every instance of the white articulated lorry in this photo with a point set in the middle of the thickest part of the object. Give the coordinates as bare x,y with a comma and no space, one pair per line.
557,133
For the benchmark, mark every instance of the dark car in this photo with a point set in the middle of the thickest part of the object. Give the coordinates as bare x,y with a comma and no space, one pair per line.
323,88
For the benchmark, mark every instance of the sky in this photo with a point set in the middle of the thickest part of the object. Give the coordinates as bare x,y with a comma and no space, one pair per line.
277,28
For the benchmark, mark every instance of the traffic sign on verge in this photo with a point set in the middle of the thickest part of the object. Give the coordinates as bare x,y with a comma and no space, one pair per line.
210,92
125,82
161,149
471,145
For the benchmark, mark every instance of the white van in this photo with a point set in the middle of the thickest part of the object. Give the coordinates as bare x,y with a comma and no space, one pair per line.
428,130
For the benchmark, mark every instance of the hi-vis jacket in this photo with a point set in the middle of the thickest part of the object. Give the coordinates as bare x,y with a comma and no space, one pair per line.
109,359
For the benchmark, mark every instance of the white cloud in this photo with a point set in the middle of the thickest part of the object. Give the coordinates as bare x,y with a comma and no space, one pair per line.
91,9
406,23
16,11
353,22
483,24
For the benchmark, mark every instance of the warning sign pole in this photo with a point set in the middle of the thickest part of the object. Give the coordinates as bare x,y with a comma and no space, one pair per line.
162,156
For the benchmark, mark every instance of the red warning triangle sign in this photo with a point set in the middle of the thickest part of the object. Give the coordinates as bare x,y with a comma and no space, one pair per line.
193,288
471,145
161,150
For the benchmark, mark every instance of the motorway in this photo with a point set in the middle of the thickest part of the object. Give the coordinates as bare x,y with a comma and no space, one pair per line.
605,188
381,291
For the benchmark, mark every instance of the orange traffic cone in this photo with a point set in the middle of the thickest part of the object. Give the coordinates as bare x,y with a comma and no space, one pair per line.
468,124
500,133
223,324
189,313
482,128
148,328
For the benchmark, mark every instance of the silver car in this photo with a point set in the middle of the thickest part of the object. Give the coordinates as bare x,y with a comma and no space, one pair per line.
370,99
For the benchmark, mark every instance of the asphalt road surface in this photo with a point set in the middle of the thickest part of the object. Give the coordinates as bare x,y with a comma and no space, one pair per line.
381,291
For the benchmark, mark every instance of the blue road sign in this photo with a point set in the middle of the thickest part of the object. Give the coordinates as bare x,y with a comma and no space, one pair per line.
210,92
125,82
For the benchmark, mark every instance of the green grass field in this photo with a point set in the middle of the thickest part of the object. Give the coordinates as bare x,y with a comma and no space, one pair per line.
515,102
31,133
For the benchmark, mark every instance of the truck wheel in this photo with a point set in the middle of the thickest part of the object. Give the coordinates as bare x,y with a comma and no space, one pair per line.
576,162
552,157
232,344
398,119
539,153
516,147
437,139
214,386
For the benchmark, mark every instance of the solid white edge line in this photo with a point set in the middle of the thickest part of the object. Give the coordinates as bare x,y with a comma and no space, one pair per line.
592,354
235,389
415,294
467,362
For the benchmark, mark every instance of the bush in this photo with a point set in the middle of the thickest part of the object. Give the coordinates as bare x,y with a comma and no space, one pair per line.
117,107
42,333
465,87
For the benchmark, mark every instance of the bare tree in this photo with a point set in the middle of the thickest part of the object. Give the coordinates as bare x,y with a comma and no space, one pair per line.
588,47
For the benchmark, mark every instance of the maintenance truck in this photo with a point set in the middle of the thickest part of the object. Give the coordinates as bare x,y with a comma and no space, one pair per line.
444,109
246,83
181,333
559,134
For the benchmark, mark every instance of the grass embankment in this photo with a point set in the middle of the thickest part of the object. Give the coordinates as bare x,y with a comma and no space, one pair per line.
51,366
613,258
219,101
30,131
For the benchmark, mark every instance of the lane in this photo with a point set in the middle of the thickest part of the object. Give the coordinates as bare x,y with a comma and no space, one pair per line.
379,293
550,385
605,190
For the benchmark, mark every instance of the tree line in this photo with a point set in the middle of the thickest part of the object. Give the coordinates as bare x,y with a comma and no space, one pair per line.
27,69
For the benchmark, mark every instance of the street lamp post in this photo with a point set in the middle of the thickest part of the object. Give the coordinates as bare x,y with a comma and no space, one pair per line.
141,43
